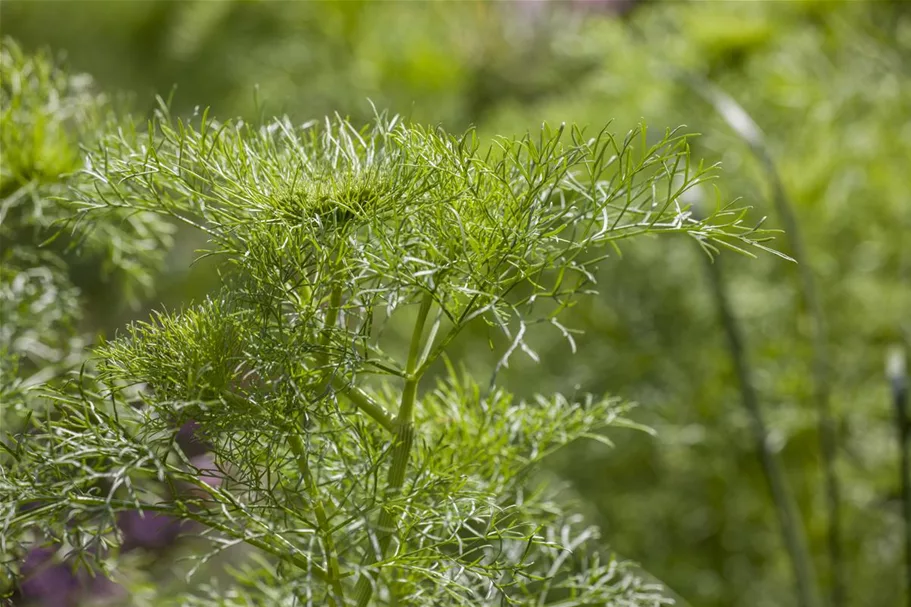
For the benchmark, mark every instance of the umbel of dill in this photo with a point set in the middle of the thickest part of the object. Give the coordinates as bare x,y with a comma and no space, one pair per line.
360,477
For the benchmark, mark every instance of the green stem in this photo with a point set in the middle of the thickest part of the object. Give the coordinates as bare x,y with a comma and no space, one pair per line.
897,377
300,453
752,135
354,394
788,515
826,423
362,401
332,567
401,451
330,575
335,302
411,383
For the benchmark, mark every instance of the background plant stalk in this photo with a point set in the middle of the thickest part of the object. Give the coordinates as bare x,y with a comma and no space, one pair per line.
788,516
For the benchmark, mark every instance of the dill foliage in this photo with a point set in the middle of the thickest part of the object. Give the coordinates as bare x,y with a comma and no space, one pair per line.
45,114
361,469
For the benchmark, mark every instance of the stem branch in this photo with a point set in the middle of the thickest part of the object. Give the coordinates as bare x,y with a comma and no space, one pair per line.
358,397
362,401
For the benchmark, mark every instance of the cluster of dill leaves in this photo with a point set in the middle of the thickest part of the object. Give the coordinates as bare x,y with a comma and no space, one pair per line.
361,467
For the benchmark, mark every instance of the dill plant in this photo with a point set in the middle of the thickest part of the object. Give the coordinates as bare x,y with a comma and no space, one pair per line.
364,469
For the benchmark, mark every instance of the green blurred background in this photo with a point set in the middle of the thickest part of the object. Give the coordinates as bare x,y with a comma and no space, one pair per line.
828,84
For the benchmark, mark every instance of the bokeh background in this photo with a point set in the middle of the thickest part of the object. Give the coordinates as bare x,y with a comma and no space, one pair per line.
805,104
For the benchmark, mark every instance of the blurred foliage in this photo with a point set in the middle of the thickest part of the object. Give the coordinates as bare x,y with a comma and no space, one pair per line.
53,278
46,268
432,62
828,85
46,115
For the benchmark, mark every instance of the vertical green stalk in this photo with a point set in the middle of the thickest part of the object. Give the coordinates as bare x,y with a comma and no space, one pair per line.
744,126
821,391
300,453
788,516
401,451
897,375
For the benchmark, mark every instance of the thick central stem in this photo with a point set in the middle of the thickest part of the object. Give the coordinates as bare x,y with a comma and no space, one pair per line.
406,407
401,451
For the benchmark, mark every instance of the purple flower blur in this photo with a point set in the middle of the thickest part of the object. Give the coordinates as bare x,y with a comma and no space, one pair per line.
46,581
147,530
190,441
